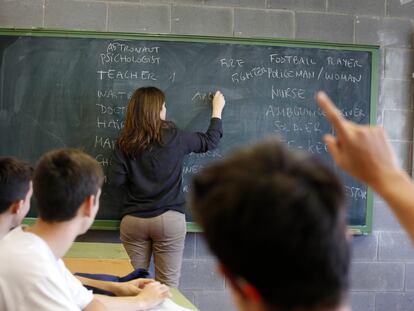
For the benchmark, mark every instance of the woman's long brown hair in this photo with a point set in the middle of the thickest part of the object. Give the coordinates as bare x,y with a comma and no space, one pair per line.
142,123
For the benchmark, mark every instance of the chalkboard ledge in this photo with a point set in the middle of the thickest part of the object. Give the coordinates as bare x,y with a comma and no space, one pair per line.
191,226
114,225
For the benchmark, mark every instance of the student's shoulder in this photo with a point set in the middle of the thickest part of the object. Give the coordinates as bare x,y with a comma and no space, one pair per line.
24,251
22,266
13,237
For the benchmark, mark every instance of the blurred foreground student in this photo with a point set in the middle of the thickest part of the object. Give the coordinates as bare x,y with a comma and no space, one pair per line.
148,163
277,223
67,187
365,153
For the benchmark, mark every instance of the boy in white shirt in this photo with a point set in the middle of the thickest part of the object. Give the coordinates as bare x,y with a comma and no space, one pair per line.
67,186
15,193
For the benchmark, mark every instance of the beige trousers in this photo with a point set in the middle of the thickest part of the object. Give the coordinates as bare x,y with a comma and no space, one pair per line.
163,237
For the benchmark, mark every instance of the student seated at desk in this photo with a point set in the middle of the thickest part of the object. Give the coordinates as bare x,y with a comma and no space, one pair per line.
276,220
67,186
15,194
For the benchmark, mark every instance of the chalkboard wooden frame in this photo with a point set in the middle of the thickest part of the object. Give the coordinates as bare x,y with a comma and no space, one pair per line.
193,227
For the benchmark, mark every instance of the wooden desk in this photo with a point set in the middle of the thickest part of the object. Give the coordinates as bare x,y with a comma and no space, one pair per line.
108,258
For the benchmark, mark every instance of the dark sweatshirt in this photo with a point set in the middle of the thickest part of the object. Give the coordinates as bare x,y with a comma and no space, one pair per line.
153,180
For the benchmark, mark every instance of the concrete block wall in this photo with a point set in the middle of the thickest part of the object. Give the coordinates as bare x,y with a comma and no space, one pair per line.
383,263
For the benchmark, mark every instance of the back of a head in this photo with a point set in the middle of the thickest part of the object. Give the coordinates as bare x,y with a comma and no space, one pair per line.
276,218
63,179
15,177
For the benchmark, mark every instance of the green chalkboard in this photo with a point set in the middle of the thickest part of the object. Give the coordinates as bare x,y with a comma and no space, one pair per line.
60,89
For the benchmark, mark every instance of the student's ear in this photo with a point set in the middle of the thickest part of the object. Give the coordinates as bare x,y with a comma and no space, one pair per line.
16,207
88,206
240,286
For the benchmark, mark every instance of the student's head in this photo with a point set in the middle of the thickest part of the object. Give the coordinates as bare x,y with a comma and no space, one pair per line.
144,119
276,221
64,180
15,189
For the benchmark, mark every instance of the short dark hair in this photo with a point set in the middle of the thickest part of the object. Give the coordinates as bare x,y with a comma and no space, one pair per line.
15,177
63,179
276,218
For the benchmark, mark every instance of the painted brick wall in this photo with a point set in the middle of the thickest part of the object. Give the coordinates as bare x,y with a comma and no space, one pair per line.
383,263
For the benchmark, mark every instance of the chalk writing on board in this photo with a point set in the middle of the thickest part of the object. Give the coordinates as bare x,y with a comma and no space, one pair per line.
123,47
309,146
293,111
292,93
114,94
297,111
356,192
345,62
103,160
231,63
347,77
104,142
112,74
275,73
110,123
305,127
203,97
193,169
291,59
269,92
271,73
356,112
111,110
109,58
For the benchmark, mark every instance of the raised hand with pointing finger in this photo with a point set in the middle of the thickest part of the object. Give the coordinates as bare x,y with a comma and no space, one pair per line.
365,153
361,150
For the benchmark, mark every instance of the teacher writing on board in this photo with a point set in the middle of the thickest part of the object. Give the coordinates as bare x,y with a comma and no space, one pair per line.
148,163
